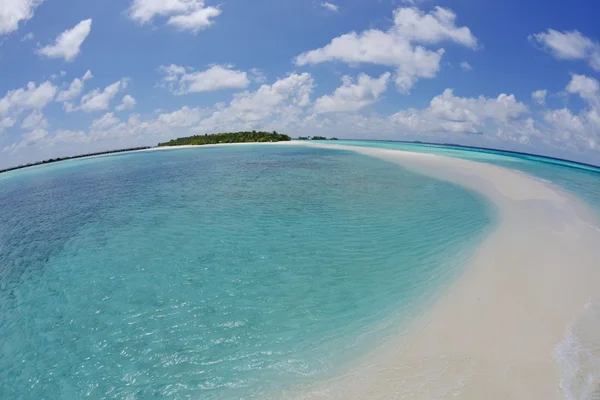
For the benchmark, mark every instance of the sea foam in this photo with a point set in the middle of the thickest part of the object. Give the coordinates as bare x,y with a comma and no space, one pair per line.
579,355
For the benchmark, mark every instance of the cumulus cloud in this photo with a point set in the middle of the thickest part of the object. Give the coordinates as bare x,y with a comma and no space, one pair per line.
190,15
31,97
539,96
581,130
98,100
285,95
6,122
466,66
74,89
32,138
181,80
196,21
68,44
35,120
433,27
449,113
127,103
184,117
353,96
284,100
27,37
565,121
104,122
12,12
397,47
587,88
330,6
285,105
569,45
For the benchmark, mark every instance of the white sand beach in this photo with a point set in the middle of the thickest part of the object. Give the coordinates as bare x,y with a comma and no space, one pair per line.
495,332
504,330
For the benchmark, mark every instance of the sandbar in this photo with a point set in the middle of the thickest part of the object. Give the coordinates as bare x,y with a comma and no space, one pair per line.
494,333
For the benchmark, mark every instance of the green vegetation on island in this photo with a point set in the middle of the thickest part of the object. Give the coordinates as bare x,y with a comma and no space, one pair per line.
234,137
53,160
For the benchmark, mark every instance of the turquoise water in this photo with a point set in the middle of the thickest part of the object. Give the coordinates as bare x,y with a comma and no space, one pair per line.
578,355
579,179
216,273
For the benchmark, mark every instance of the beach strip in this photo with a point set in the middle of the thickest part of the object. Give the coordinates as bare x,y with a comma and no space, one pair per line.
494,333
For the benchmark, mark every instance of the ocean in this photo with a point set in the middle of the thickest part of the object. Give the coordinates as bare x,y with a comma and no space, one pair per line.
227,272
578,355
233,272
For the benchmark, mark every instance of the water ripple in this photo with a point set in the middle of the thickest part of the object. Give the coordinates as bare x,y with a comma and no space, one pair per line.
219,273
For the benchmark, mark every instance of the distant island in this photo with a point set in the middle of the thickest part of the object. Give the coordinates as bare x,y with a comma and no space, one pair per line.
233,137
315,138
53,160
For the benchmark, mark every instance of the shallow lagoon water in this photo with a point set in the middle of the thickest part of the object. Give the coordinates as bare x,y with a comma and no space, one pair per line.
216,272
578,354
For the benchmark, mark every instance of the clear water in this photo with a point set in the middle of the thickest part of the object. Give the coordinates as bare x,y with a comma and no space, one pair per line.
215,273
579,179
578,355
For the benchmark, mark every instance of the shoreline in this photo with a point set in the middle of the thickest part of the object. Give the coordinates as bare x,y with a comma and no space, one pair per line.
496,332
192,146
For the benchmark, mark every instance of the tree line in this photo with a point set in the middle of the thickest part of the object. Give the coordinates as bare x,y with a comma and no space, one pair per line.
228,137
53,160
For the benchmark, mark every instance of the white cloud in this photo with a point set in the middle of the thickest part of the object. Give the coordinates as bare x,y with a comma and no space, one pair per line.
191,15
587,88
279,104
286,97
569,45
395,47
185,116
466,66
104,122
6,122
330,6
68,43
32,138
35,120
32,97
127,103
434,27
217,77
172,71
12,12
27,37
581,130
565,122
74,89
449,113
98,100
353,96
539,96
144,11
285,105
196,21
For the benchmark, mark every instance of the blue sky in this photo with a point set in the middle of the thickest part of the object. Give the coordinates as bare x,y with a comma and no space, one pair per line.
88,76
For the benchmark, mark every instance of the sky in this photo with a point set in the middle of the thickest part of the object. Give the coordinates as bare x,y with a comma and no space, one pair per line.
84,76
